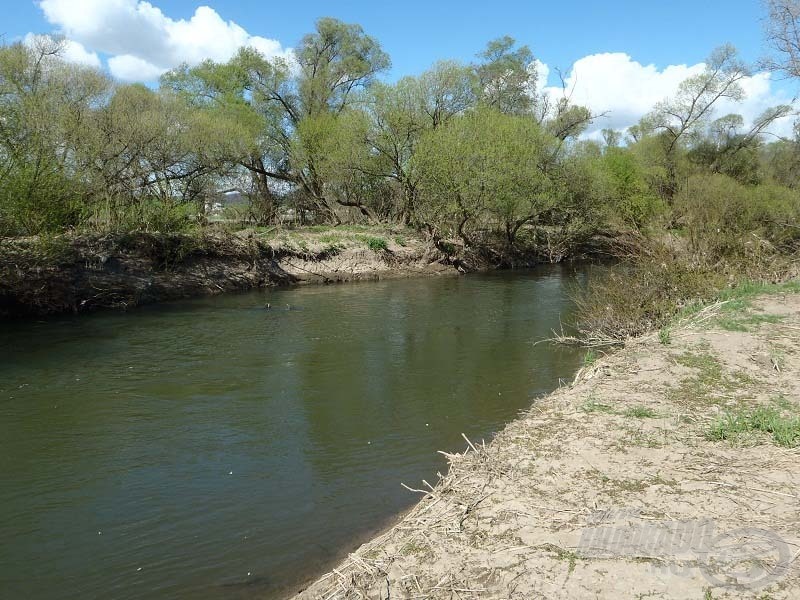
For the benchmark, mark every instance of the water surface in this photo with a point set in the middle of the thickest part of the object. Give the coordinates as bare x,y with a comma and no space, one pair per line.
213,449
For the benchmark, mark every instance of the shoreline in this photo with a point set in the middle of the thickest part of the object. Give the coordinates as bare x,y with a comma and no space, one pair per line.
87,273
641,477
71,274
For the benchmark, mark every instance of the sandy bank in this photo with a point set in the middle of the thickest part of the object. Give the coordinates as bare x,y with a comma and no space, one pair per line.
669,469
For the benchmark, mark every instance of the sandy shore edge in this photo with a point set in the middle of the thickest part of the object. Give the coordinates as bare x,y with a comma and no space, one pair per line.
618,485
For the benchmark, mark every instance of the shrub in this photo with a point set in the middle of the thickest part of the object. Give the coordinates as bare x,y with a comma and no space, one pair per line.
376,244
725,219
638,296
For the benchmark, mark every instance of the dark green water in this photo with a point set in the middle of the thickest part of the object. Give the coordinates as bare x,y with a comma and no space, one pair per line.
213,449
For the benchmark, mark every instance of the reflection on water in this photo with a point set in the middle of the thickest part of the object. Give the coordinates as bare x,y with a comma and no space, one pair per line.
214,449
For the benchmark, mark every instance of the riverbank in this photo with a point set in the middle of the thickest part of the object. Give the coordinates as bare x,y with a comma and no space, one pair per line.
668,469
79,273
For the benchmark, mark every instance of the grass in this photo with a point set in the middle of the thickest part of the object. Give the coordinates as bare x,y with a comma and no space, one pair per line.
592,406
640,412
737,313
707,385
735,426
376,244
746,322
560,553
748,290
590,358
630,300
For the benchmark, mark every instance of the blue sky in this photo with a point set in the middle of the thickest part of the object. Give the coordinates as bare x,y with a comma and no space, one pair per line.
416,33
619,57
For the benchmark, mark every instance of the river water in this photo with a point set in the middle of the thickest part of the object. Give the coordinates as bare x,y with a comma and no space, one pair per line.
214,449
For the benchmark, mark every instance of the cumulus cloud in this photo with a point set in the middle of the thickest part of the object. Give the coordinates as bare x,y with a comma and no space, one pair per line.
143,42
127,67
625,90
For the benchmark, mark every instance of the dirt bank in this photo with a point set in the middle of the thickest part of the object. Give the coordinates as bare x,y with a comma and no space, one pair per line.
81,273
669,469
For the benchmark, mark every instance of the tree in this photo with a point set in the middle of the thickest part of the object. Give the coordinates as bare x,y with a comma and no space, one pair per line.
783,35
401,113
506,77
334,61
484,168
45,105
728,149
332,65
632,201
692,106
685,115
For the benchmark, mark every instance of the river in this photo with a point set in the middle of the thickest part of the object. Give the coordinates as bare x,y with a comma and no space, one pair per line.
216,449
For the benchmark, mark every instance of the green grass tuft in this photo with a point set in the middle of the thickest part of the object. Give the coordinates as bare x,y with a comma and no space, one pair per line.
376,244
785,430
641,412
592,406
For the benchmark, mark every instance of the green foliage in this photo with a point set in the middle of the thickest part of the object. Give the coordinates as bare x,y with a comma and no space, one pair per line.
505,78
376,244
485,168
473,152
633,202
592,406
724,218
734,426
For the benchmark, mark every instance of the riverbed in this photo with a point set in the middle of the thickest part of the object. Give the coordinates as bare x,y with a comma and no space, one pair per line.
218,449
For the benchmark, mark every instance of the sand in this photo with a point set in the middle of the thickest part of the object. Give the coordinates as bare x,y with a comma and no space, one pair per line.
613,487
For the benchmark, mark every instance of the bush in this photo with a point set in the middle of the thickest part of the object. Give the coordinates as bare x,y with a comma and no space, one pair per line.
376,244
633,202
641,295
157,216
725,219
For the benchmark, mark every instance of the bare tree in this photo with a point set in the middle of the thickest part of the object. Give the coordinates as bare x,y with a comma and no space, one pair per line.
692,106
783,35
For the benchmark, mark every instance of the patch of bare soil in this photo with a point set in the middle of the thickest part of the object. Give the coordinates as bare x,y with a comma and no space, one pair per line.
630,483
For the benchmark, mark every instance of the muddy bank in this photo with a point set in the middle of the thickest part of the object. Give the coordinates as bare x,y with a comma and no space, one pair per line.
82,273
669,469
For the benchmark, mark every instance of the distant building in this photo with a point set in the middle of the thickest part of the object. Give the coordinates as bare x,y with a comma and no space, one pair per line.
216,204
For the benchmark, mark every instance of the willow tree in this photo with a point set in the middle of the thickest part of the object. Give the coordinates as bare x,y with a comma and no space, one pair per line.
45,104
150,159
328,69
783,35
676,119
483,169
400,114
506,76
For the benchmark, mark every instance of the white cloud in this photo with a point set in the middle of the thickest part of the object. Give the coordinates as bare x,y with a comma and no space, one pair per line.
73,52
542,73
126,67
143,42
615,84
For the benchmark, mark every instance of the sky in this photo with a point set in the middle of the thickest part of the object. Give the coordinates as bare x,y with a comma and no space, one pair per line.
618,57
